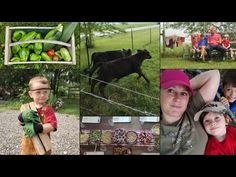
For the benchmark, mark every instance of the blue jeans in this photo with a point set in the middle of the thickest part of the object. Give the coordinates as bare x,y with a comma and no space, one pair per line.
215,47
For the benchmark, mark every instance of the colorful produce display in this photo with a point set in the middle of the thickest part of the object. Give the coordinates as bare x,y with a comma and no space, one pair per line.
52,47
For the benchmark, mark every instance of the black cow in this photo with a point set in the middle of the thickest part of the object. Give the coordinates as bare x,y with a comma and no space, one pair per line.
119,68
98,57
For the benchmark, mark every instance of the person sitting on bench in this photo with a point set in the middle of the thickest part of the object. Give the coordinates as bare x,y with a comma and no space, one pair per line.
214,43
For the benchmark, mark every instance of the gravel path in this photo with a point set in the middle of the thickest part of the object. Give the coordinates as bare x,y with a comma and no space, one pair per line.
65,140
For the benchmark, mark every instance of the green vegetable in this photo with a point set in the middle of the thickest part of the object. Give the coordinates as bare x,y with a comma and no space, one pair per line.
58,53
24,54
15,59
65,54
68,30
38,47
29,36
17,35
45,56
29,130
54,34
30,116
95,136
35,57
16,49
31,47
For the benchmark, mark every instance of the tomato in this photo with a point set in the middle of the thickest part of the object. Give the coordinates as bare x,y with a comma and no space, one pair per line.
50,53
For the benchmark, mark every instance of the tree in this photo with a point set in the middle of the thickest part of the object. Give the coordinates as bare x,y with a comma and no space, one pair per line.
199,27
88,29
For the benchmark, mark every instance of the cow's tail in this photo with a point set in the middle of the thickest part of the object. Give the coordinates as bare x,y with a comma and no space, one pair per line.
93,69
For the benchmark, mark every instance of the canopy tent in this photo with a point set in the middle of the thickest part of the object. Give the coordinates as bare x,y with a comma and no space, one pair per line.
175,37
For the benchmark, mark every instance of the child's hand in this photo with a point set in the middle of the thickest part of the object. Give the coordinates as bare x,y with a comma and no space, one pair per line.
228,120
224,101
21,123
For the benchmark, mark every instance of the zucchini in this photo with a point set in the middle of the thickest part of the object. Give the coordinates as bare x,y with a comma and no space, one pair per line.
54,34
68,30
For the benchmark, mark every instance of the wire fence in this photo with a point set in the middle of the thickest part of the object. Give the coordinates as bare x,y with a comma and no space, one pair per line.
145,95
117,103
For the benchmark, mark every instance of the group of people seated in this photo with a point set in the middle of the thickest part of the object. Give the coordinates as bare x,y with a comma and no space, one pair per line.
207,43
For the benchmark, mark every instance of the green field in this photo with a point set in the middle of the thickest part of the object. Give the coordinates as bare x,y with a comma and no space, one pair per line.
176,62
141,39
134,25
70,106
94,106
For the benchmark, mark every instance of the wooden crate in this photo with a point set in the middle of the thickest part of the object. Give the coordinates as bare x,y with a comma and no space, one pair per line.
8,45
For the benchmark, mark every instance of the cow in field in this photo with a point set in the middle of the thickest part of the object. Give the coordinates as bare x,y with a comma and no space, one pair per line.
119,68
99,57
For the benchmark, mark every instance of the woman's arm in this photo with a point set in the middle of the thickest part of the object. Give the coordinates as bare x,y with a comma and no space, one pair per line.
207,83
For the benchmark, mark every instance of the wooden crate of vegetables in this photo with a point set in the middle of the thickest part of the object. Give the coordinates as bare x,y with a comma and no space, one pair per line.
28,45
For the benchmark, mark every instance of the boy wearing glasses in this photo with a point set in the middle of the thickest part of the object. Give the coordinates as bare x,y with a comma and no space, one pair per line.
37,116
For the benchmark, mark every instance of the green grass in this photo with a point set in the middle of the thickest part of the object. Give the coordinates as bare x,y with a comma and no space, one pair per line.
10,105
150,69
134,25
120,41
70,106
176,62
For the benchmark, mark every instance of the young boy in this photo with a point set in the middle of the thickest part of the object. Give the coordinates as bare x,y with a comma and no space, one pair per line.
226,45
39,90
228,90
222,138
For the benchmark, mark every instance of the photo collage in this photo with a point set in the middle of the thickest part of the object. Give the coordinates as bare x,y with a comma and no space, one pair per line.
117,88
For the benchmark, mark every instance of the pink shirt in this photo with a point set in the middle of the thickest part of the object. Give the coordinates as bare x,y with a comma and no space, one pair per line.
212,39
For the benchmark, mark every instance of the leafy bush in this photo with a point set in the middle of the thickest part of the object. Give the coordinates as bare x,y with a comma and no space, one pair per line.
24,97
175,52
52,100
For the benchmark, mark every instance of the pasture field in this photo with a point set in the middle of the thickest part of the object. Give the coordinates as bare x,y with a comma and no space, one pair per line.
173,58
90,105
179,62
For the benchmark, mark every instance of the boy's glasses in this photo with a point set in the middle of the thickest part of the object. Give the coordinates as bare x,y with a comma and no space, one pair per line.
41,92
47,88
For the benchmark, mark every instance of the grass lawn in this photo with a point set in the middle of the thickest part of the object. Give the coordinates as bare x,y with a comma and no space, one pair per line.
192,64
119,41
134,25
70,106
10,105
95,106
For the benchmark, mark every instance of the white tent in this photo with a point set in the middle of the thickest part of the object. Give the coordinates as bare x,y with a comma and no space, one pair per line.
170,32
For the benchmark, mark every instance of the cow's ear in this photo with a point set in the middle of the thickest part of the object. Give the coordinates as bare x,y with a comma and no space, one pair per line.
139,50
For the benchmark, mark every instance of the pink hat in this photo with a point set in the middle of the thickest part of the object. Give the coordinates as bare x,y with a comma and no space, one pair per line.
173,77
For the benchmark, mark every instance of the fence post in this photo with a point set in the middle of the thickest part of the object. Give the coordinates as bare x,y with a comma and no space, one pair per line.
132,39
150,35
